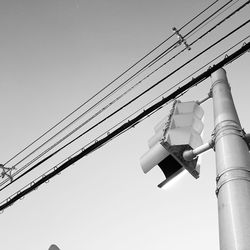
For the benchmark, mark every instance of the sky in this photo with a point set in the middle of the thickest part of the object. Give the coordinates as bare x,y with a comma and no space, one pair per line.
55,55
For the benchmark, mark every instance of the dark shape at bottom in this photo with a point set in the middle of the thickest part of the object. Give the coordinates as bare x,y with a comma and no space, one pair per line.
54,247
174,164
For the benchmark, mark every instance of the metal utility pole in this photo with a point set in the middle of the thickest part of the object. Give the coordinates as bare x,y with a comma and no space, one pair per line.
233,168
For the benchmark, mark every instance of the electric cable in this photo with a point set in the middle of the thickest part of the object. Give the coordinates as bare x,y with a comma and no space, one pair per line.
204,34
209,21
34,185
18,171
191,31
108,85
65,129
47,150
75,120
222,7
131,115
157,83
223,20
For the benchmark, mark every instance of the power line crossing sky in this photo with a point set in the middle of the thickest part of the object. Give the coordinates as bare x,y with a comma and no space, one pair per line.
56,54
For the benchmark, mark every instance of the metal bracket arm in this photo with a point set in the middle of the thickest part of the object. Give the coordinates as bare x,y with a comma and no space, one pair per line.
189,155
205,99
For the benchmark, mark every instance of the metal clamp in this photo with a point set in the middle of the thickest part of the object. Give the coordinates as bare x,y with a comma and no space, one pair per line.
181,38
227,127
231,174
6,172
217,82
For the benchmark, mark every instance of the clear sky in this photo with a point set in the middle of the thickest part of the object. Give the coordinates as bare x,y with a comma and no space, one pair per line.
54,55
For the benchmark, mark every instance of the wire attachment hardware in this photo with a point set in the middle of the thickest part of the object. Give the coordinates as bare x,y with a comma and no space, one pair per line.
227,127
6,172
231,174
181,38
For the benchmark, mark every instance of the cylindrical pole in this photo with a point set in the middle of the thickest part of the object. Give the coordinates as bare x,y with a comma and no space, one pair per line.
233,169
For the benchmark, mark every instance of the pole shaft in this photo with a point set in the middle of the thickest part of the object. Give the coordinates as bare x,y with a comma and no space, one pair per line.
233,169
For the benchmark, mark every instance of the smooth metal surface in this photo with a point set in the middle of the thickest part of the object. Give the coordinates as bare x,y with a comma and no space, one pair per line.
233,169
204,100
189,155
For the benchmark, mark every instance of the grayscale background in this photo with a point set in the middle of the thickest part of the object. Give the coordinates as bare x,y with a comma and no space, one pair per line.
54,55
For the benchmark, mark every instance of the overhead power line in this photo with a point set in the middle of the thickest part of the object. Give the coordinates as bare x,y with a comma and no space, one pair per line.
212,19
191,32
131,115
111,103
195,81
131,101
100,91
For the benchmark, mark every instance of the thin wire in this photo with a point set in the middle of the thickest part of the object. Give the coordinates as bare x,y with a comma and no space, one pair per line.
176,44
69,134
128,80
196,27
28,164
138,96
100,111
203,35
108,85
209,21
209,17
198,15
56,170
83,114
206,64
222,21
168,90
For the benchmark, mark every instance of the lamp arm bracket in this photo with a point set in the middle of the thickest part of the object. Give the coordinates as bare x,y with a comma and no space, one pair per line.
189,155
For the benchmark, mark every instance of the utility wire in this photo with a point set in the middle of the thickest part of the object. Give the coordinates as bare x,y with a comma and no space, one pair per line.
18,171
108,85
204,34
131,115
138,96
75,120
103,99
34,185
191,31
209,21
223,20
100,111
